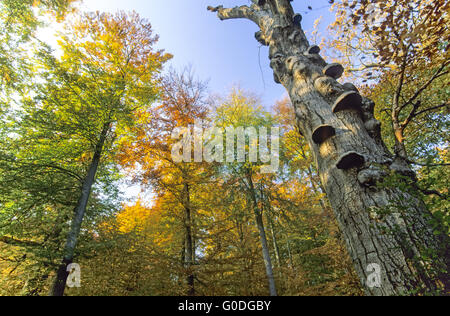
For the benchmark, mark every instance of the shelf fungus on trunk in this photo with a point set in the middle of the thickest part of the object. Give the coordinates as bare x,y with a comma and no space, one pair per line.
350,86
276,79
314,49
350,100
343,162
322,133
350,160
298,19
260,38
334,71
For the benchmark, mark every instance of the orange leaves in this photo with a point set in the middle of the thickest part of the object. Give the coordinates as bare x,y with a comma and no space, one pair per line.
398,28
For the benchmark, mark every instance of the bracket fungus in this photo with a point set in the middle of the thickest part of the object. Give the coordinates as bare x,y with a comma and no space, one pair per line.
334,71
313,50
322,133
348,101
350,160
298,19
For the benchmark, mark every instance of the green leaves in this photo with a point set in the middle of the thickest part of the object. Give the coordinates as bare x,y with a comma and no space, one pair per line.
107,71
19,19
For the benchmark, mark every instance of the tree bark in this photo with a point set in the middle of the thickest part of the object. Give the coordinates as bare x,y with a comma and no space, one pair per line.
387,226
275,242
262,236
190,251
59,284
291,260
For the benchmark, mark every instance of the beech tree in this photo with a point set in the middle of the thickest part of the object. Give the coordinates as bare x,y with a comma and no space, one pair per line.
241,110
149,156
107,71
385,223
19,19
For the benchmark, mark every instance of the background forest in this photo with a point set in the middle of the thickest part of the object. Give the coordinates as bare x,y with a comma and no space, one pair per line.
86,168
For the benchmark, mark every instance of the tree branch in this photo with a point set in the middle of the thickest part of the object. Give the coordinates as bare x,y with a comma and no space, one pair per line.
242,12
446,104
398,91
428,164
17,242
434,192
414,112
438,74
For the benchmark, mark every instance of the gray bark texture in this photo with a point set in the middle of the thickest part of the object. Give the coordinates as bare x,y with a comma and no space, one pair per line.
384,226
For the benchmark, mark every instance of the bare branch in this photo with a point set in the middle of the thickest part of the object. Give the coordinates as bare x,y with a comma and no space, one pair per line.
411,115
414,112
446,104
242,12
429,164
365,67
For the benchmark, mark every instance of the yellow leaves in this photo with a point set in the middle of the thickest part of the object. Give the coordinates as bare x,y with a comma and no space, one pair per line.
120,44
135,218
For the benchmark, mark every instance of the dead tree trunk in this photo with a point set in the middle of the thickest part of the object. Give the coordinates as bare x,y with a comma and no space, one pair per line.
385,227
59,284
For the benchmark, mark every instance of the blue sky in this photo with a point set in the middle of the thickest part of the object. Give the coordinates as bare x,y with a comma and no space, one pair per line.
223,52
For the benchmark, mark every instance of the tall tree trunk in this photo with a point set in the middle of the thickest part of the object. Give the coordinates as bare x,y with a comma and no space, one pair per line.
385,227
400,147
190,251
317,188
399,129
262,236
275,242
291,261
59,284
273,233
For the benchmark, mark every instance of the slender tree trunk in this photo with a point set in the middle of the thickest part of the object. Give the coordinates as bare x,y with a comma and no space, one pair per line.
190,251
263,237
399,129
244,256
316,189
291,261
275,242
183,252
399,147
72,239
386,227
